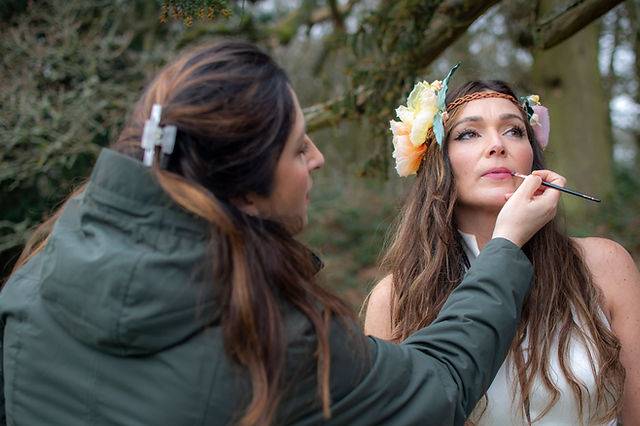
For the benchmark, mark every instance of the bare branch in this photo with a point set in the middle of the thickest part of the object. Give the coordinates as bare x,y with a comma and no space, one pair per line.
576,15
322,115
283,30
330,113
278,33
334,11
336,15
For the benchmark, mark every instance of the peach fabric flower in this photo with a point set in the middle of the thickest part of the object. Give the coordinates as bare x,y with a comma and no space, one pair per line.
408,156
410,133
424,105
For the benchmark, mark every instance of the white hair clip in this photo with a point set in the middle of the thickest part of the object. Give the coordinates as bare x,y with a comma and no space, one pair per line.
154,135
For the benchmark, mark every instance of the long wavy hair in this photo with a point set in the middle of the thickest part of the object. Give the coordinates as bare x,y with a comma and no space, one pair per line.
426,259
234,110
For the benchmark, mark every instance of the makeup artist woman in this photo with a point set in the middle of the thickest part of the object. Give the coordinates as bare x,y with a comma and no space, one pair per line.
169,289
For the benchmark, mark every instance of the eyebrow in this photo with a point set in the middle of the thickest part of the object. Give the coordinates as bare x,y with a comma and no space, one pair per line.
509,116
473,118
477,118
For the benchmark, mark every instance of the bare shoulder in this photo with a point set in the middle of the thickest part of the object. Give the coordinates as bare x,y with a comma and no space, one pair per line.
612,267
604,255
377,321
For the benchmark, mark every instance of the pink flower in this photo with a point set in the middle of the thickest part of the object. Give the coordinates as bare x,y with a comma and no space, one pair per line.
541,125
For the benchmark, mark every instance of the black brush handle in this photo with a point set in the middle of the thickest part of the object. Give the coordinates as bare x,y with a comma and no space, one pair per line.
571,191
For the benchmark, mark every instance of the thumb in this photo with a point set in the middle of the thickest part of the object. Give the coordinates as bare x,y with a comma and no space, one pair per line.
528,187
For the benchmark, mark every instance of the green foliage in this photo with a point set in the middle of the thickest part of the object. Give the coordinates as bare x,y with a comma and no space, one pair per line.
620,218
348,226
386,43
188,10
9,8
71,71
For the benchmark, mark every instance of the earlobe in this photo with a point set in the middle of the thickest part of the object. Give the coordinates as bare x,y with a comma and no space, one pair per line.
247,204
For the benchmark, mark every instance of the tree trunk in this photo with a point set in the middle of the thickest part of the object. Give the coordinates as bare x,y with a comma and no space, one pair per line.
580,148
633,11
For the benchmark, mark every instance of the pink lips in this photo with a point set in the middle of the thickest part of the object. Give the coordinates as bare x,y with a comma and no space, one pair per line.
498,173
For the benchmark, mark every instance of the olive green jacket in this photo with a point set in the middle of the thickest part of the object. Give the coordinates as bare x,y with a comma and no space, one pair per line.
114,323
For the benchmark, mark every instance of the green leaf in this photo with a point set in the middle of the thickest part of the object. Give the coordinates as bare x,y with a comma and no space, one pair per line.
438,128
442,93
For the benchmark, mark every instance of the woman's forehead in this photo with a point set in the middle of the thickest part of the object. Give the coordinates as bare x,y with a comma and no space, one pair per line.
489,107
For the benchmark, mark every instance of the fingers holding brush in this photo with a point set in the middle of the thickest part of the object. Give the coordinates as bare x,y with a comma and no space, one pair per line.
547,176
525,212
550,177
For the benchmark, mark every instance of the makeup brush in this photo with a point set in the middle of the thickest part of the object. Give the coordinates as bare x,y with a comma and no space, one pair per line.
562,189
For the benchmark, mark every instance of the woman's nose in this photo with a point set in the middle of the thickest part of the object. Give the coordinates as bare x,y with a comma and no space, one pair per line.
496,146
316,159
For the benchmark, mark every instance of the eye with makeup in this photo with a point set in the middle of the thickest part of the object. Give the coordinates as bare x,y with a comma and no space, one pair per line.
469,133
516,131
466,134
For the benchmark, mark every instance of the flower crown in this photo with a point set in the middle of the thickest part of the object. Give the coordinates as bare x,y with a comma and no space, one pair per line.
426,111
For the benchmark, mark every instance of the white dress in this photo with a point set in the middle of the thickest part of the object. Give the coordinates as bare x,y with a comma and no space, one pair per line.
500,408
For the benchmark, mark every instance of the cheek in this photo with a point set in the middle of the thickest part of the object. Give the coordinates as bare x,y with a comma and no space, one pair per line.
462,161
525,158
296,183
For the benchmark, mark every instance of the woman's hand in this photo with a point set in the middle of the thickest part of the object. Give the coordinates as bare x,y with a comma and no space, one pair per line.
529,208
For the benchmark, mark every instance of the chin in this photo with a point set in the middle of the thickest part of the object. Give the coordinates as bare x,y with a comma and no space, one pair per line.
493,202
496,194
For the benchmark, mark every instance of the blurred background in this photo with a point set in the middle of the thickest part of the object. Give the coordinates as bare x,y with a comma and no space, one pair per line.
70,71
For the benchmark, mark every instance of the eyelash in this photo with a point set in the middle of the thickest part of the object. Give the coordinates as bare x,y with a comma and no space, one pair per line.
519,133
465,132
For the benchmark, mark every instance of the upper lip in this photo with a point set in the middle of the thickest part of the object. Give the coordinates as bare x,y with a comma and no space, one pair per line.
497,170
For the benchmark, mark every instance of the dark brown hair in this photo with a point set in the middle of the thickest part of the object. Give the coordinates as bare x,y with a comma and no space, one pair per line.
427,261
234,110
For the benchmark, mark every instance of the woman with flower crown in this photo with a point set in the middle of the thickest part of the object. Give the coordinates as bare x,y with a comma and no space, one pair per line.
574,358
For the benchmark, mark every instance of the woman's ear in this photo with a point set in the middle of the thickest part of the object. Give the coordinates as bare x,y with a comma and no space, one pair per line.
247,203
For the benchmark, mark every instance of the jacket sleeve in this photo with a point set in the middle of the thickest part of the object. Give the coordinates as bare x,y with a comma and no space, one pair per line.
437,375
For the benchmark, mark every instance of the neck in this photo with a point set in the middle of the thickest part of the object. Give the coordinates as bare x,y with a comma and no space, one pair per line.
476,221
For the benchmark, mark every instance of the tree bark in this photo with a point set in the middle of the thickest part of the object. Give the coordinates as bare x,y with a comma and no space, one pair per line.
633,11
451,19
580,145
558,26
